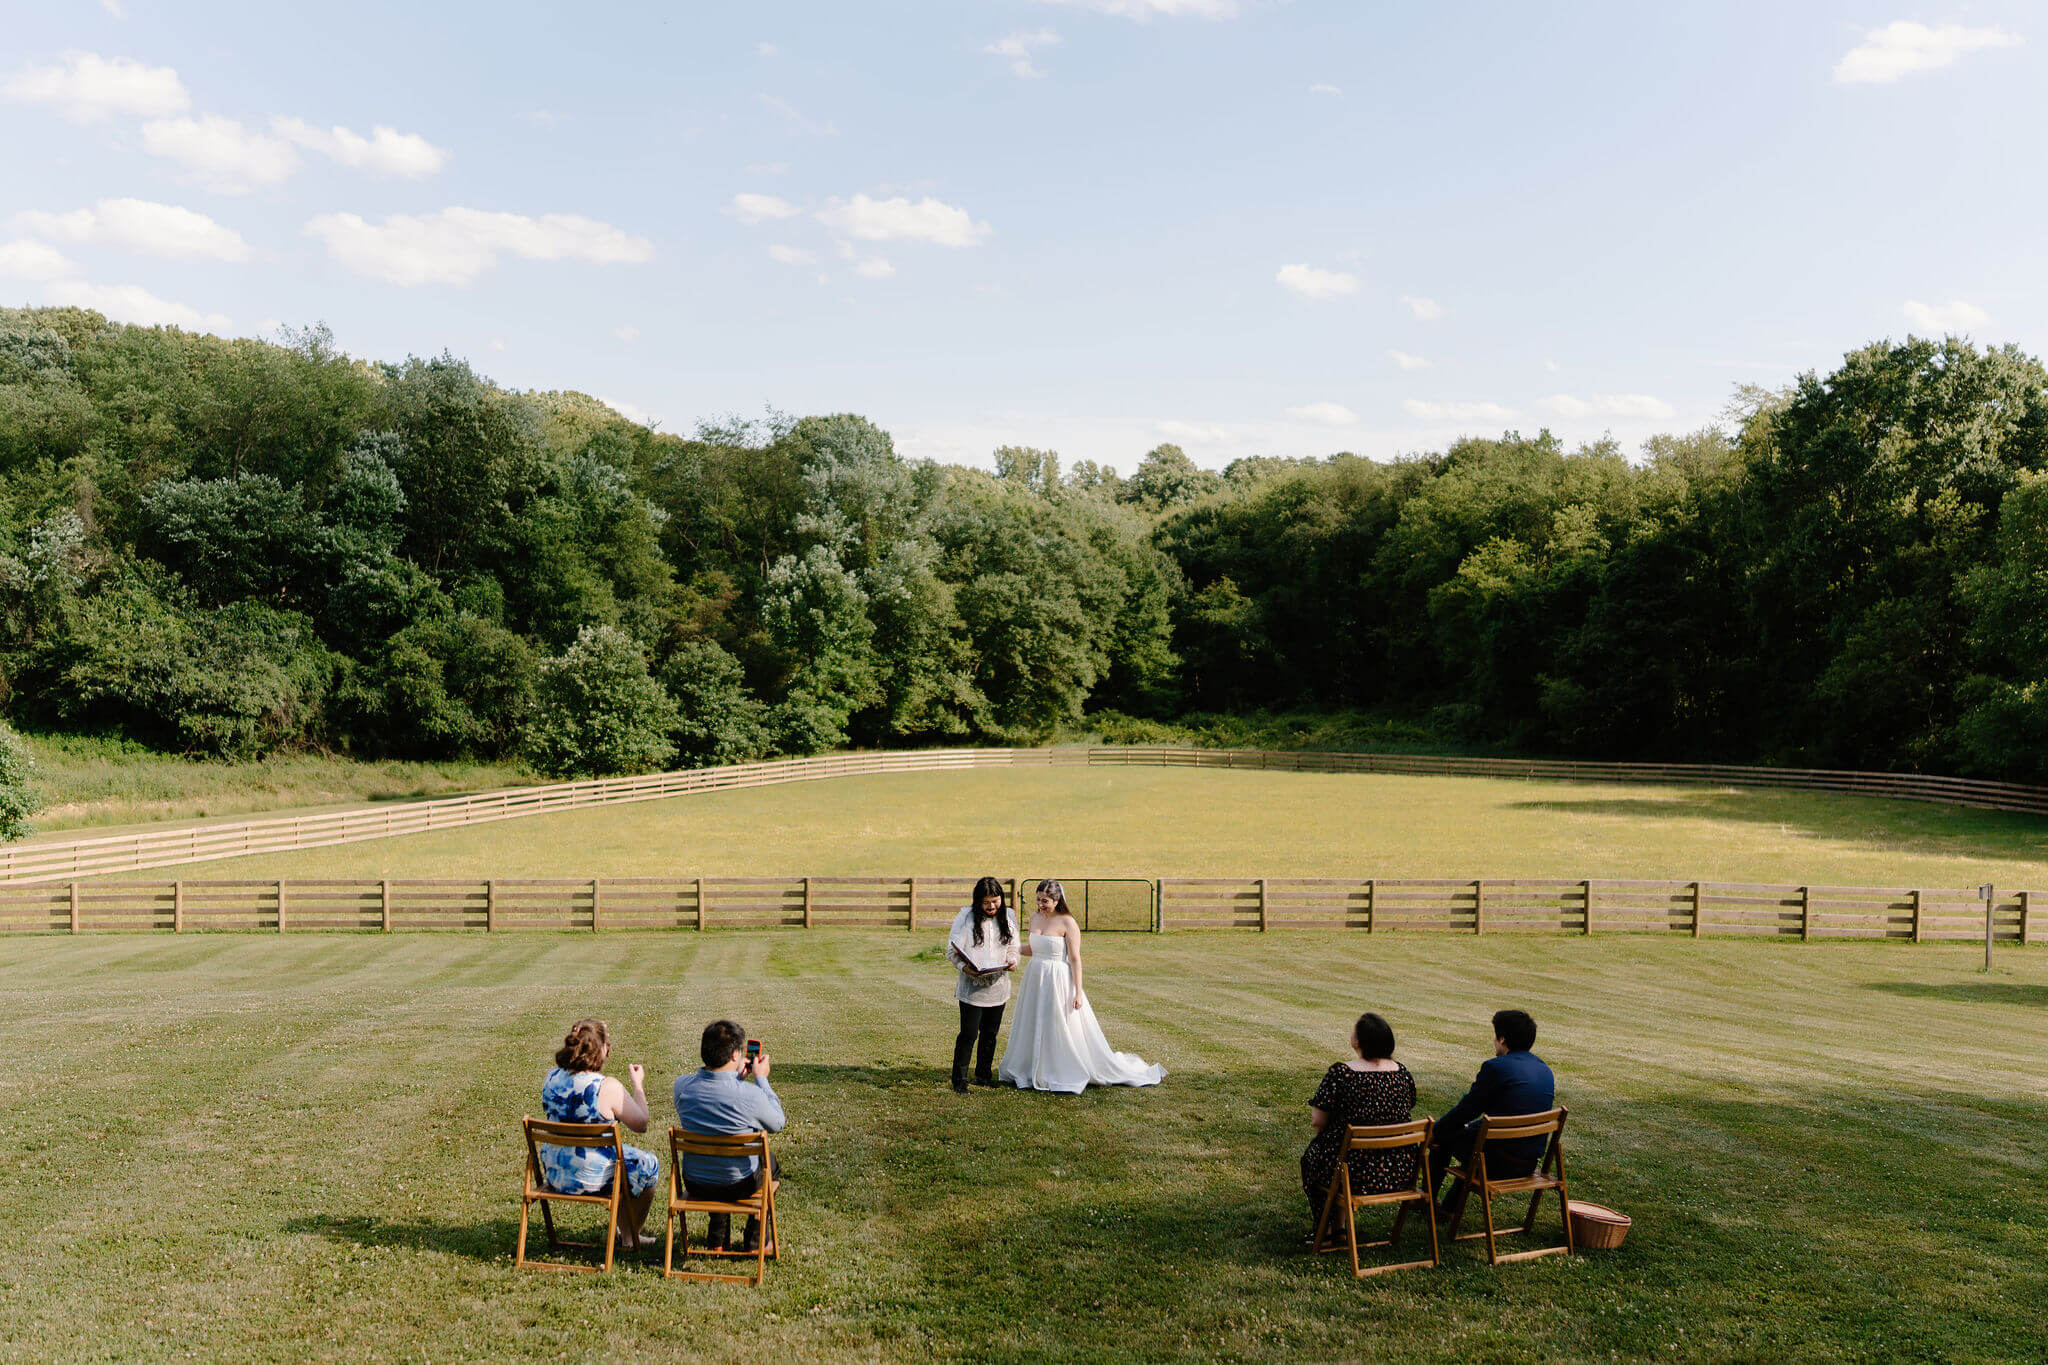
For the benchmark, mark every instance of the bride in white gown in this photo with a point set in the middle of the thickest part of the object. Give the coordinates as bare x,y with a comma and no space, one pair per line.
1055,1042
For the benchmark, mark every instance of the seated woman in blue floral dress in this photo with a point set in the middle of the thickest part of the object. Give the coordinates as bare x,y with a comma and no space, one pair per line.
578,1091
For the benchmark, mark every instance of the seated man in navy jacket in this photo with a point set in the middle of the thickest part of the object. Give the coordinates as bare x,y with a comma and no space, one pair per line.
1512,1081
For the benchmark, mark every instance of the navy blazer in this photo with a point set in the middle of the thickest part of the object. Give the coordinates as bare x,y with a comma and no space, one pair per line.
1512,1083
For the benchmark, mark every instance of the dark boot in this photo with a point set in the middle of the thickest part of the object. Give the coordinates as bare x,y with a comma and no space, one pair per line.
720,1231
959,1081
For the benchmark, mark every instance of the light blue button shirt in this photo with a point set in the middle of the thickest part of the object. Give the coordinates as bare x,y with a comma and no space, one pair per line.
719,1102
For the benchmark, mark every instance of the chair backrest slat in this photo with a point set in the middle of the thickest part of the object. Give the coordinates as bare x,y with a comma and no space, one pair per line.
602,1135
1379,1137
1504,1128
685,1143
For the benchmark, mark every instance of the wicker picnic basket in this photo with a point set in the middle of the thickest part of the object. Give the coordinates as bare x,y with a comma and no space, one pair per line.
1596,1226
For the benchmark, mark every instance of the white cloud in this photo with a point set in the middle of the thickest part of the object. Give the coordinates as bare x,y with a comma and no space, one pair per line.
1943,318
1427,310
875,268
792,255
628,334
385,151
268,326
220,153
133,303
1552,366
26,260
1456,412
1325,414
1406,361
767,50
761,208
899,220
89,88
632,412
140,226
1196,433
1637,405
1323,88
797,120
1142,10
114,8
1900,49
1017,48
1311,282
456,245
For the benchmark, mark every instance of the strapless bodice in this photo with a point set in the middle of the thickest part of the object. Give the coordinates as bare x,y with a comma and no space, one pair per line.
1051,947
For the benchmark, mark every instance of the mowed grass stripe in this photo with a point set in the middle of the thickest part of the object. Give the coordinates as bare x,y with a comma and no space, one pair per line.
300,1146
1150,822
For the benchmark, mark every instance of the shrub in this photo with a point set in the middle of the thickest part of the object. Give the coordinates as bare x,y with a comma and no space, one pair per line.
597,710
18,797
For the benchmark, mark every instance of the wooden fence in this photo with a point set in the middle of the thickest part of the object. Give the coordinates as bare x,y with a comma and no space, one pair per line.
1370,905
44,860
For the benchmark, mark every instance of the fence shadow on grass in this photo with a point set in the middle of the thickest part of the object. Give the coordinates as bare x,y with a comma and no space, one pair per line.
1961,832
1967,992
491,1239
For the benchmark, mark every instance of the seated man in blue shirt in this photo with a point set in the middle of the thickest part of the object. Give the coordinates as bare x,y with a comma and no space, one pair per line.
1512,1081
730,1095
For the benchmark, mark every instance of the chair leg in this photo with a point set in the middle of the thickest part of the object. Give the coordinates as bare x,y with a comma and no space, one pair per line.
668,1243
774,1232
1436,1251
1458,1197
761,1247
611,1231
525,1208
1486,1211
547,1222
1529,1223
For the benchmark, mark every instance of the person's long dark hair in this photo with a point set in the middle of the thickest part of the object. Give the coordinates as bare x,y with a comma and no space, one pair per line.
986,887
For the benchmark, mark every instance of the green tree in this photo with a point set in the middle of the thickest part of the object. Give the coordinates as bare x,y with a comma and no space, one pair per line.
597,711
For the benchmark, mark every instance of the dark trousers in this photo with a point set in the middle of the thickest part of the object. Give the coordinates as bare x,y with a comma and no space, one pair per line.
721,1224
978,1027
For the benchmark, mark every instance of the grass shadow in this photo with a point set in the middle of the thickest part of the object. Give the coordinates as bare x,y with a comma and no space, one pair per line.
1967,992
1870,823
493,1239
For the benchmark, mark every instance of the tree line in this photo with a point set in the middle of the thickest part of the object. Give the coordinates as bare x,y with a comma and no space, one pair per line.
227,546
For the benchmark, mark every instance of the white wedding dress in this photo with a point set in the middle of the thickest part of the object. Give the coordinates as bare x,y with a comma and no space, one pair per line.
1054,1046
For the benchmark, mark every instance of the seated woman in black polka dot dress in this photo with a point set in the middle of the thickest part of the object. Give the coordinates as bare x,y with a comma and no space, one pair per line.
1372,1088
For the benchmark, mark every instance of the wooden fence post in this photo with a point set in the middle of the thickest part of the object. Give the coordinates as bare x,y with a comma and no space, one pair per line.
280,905
2026,909
913,905
701,908
177,907
1262,905
1478,907
807,903
384,904
491,905
74,907
1916,915
1372,902
1586,890
1805,913
1699,908
596,905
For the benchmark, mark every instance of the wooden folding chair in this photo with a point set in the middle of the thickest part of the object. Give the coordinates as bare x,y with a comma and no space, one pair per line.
1342,1201
535,1188
760,1204
1473,1178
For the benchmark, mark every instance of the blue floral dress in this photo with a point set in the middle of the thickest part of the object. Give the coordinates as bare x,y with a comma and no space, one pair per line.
571,1097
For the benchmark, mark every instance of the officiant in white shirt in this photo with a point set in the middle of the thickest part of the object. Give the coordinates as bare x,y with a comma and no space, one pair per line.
983,947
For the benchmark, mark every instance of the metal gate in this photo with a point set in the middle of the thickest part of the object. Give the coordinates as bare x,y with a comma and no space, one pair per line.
1102,904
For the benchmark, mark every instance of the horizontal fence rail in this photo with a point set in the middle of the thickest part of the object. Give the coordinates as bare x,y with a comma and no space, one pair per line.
57,859
1510,905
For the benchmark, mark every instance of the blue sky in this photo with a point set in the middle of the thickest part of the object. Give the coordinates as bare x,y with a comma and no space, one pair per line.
1248,226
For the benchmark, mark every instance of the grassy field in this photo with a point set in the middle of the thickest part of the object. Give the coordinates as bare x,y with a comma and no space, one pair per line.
89,781
1178,821
244,1148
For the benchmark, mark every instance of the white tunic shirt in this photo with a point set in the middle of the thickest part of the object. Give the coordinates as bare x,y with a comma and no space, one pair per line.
976,989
